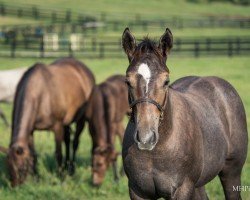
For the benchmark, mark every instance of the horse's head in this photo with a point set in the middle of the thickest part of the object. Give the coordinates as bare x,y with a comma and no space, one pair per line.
102,157
20,161
147,80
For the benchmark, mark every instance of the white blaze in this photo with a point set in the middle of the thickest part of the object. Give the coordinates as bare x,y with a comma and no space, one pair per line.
145,72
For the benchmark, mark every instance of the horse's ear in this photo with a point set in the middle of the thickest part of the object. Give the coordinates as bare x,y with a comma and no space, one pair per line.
128,43
166,42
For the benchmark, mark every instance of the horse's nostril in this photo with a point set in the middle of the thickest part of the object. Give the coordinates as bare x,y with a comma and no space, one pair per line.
153,138
137,136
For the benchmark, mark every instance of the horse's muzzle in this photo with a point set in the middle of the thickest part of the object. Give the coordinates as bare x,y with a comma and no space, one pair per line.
146,141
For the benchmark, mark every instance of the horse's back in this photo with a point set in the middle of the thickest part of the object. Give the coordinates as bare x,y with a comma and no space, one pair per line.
221,97
61,89
221,117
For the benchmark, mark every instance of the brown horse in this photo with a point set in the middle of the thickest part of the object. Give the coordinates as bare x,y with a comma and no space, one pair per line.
107,107
183,135
48,98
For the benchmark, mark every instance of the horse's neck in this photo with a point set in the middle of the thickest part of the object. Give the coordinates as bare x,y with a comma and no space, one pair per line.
22,128
97,120
177,111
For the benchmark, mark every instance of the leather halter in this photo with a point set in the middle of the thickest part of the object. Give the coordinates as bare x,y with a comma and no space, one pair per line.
148,100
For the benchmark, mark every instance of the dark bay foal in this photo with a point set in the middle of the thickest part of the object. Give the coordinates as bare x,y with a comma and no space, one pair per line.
107,107
47,98
181,135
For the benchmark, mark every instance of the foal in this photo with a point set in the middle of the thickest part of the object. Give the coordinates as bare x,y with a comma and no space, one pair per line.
48,98
183,135
107,107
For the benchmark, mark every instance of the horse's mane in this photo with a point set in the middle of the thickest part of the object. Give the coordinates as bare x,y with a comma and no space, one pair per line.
19,98
147,45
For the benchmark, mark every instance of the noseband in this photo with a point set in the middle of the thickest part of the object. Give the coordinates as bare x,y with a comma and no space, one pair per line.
148,100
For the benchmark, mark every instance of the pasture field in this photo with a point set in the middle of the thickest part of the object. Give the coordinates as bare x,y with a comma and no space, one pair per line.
148,9
15,21
49,186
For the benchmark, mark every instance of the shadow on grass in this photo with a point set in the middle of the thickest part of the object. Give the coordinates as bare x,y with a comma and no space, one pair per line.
50,164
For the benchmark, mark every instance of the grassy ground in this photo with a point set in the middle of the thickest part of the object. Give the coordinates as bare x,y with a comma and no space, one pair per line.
15,21
49,186
159,9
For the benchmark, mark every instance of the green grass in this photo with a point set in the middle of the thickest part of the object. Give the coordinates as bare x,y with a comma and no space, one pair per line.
15,21
149,9
235,70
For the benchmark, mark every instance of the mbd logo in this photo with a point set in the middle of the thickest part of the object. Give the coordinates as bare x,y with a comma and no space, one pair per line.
243,188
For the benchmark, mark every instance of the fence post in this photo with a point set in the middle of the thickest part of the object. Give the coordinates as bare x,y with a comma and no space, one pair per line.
93,44
13,47
73,28
53,16
68,16
41,47
178,44
101,53
2,9
20,12
26,42
238,46
208,44
196,49
35,12
230,48
70,50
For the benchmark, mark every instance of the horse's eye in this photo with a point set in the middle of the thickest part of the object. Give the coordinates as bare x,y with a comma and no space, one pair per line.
166,82
128,84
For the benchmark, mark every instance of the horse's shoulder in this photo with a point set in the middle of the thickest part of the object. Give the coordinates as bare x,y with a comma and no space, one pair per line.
195,83
184,83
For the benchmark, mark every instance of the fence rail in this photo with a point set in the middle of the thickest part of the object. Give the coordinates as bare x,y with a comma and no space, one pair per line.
93,48
67,16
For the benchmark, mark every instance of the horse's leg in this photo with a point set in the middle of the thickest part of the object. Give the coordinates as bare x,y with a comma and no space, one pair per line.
200,194
115,170
2,115
33,153
59,133
134,196
230,180
184,192
79,127
67,145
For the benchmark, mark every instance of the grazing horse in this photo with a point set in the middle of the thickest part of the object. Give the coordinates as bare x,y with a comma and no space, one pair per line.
181,135
107,107
47,98
8,83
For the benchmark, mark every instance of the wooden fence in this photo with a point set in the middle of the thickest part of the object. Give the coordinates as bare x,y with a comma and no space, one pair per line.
93,48
67,16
